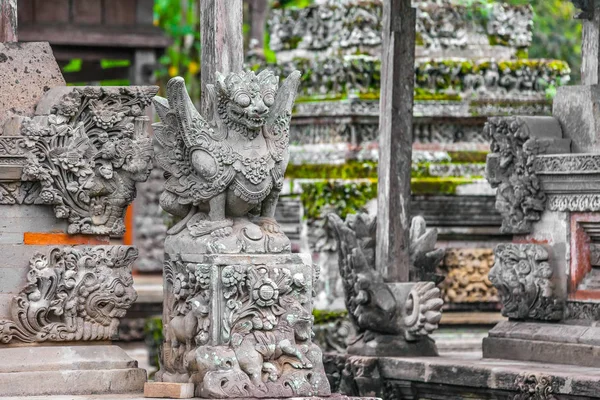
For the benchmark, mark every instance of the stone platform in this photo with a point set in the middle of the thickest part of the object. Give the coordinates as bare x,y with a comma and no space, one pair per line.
465,375
73,370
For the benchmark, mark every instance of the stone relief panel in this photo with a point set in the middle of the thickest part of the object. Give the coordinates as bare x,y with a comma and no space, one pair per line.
536,387
510,169
88,154
241,329
467,280
523,278
72,293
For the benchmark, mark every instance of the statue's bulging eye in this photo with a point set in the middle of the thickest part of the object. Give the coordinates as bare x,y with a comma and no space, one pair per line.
243,100
269,99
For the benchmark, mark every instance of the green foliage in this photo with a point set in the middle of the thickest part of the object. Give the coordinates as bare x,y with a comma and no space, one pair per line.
291,3
325,316
180,19
348,170
343,198
153,335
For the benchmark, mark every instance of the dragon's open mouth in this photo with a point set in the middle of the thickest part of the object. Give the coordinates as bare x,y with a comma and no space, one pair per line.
249,121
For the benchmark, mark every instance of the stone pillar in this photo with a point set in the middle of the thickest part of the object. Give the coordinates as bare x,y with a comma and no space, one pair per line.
70,158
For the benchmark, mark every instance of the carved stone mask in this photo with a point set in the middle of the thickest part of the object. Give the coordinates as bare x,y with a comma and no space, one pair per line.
245,98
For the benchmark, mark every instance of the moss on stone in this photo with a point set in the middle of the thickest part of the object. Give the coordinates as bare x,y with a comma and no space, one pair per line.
325,316
468,156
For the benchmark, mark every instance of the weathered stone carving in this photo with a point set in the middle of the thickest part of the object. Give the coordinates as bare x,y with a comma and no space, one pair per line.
229,167
440,25
73,293
374,306
255,318
467,278
536,387
522,275
358,75
574,202
88,154
510,169
235,325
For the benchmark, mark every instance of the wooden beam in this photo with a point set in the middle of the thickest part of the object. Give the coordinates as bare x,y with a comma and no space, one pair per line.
590,49
8,21
395,140
222,41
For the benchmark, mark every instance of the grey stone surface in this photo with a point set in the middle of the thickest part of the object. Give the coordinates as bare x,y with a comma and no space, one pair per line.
68,370
578,110
27,71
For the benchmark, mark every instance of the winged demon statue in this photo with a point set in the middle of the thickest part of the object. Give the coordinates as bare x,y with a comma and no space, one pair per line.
225,170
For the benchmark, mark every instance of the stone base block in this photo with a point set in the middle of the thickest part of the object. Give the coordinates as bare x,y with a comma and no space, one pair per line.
68,370
544,342
167,390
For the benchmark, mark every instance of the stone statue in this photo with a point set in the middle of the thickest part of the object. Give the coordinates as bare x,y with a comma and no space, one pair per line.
395,318
237,309
224,173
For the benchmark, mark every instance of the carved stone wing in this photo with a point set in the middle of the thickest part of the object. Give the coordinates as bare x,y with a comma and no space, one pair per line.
278,123
181,131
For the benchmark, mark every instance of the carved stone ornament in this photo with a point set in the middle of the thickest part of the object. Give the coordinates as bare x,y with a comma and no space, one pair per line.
522,275
467,279
510,169
225,171
72,293
88,154
238,304
374,306
242,329
536,387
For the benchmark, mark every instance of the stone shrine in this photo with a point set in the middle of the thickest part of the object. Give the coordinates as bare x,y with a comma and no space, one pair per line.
70,159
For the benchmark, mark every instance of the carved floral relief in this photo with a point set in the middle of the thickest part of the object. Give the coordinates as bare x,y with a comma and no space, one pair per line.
88,154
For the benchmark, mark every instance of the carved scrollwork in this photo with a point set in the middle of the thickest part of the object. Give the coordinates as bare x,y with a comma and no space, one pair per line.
423,310
88,154
73,293
522,275
536,387
510,169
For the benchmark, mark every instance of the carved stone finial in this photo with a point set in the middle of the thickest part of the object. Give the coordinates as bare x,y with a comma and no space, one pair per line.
523,277
380,310
510,169
73,293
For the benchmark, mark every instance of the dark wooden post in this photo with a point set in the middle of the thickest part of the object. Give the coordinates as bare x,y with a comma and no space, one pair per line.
258,12
395,140
222,41
8,21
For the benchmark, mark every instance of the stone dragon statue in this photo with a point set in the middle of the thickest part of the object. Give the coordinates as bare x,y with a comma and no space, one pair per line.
380,310
225,170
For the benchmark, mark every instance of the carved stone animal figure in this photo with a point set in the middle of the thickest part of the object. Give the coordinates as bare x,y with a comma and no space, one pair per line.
193,326
223,166
267,351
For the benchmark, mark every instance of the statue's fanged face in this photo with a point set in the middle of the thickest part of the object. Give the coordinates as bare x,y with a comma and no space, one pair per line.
246,98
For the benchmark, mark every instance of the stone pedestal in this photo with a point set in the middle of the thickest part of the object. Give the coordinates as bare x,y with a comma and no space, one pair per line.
240,325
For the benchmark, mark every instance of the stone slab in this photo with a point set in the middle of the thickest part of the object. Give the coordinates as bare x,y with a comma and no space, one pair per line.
162,390
27,71
68,370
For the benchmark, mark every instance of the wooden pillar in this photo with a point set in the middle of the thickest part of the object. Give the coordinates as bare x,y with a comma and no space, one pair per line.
590,47
395,140
8,21
222,41
258,12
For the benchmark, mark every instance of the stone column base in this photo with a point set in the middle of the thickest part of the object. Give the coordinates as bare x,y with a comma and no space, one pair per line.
554,343
68,370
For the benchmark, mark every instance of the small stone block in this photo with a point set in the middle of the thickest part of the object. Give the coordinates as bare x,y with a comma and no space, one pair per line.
163,390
